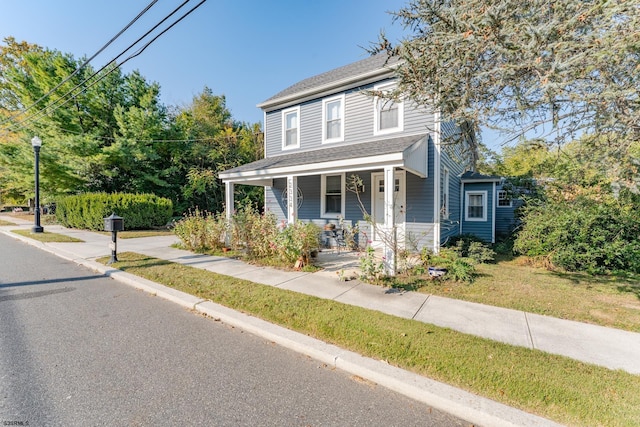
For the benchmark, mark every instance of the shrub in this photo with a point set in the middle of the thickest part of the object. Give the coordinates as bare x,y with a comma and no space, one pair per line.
595,233
254,232
200,231
459,268
297,240
140,211
470,246
371,269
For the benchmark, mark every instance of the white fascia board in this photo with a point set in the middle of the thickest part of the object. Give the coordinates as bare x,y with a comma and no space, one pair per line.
258,181
362,163
330,88
479,181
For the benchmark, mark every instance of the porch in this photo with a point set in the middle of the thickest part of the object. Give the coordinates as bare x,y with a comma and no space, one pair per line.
314,186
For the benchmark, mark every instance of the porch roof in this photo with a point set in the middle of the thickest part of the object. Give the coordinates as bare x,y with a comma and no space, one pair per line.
408,152
471,176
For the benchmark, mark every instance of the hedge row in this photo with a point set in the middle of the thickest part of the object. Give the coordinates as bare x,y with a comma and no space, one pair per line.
140,211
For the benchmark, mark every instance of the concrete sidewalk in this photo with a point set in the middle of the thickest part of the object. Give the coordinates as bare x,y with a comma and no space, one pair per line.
611,348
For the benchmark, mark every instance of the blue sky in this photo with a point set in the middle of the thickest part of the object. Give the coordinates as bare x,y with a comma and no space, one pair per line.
247,50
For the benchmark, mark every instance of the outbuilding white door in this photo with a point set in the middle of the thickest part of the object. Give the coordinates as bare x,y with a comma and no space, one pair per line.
377,203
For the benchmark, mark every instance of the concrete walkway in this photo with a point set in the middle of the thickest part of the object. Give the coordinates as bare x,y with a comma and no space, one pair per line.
611,348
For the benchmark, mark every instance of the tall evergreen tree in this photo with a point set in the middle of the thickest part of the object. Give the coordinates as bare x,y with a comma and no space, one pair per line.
565,68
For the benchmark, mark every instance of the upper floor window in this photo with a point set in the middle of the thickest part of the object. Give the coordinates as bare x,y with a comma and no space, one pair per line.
388,114
476,206
291,128
333,119
504,201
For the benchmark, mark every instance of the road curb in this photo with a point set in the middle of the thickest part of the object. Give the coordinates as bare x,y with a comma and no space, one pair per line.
470,407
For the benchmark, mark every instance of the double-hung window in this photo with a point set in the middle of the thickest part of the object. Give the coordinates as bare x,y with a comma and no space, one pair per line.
476,206
291,128
332,201
388,113
504,201
333,119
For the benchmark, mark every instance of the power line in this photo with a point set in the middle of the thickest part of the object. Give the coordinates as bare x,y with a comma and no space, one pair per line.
77,70
53,104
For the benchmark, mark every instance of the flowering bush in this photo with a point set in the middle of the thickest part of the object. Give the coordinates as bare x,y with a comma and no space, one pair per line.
297,240
201,231
258,235
371,268
253,231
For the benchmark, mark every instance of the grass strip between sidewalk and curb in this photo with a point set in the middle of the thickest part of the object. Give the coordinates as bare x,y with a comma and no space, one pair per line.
551,386
135,234
46,236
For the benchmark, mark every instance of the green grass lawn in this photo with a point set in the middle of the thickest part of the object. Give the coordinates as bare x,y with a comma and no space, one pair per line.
3,222
46,236
555,387
134,234
603,300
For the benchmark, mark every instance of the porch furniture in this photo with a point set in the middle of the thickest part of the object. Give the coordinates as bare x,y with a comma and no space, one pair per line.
334,239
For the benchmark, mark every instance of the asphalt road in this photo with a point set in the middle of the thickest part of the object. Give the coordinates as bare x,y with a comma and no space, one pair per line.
79,349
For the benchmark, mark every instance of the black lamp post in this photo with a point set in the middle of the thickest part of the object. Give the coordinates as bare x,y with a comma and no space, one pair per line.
36,143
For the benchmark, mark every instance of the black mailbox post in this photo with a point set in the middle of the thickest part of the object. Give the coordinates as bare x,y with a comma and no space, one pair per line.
113,223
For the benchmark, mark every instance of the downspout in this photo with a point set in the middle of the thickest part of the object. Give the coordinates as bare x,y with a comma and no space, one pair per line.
436,181
264,150
493,219
462,206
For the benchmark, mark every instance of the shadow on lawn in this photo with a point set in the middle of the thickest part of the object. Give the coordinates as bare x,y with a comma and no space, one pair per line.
624,283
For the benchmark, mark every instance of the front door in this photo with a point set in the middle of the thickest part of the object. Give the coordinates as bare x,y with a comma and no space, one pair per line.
378,205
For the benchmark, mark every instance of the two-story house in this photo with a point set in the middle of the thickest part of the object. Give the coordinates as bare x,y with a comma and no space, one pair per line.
324,129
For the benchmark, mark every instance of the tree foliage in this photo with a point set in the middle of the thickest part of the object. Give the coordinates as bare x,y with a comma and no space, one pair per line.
583,229
564,68
108,131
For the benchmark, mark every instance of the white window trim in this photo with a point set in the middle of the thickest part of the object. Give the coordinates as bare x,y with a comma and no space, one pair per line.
446,177
484,206
284,128
323,194
498,200
324,118
376,112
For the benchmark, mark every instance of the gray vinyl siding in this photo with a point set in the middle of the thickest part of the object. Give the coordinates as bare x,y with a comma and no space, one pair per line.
358,125
353,210
480,229
455,158
310,208
273,199
506,219
451,159
419,193
273,133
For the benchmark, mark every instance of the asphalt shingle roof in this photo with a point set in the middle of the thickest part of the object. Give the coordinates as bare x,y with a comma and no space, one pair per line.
476,176
369,64
338,152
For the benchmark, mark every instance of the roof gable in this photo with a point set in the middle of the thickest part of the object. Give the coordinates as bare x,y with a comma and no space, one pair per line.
375,65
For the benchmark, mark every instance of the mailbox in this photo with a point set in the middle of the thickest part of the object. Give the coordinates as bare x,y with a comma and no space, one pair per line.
113,223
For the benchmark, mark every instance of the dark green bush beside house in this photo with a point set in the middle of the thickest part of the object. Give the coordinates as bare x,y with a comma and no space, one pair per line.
140,211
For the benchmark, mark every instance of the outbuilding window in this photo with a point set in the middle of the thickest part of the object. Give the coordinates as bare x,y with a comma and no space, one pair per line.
476,203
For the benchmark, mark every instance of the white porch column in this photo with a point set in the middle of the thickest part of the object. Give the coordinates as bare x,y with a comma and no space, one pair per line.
229,207
292,199
228,199
390,232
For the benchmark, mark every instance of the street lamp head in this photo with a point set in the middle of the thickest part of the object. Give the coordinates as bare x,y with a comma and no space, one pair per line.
36,142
